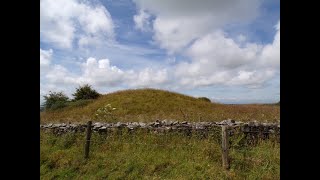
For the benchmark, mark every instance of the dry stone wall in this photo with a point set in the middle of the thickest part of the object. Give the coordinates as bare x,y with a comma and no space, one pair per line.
252,130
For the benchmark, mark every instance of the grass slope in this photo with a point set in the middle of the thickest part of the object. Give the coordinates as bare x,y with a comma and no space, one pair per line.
151,104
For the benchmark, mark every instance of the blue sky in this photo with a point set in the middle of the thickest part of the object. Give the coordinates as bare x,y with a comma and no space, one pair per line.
228,51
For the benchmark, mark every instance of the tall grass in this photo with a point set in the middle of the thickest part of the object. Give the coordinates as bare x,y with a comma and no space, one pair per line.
141,155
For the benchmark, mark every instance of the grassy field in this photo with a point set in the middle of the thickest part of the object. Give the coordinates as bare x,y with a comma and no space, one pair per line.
151,156
150,104
144,155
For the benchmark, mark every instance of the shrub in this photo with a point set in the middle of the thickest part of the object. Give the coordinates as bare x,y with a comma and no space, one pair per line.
55,100
205,99
85,92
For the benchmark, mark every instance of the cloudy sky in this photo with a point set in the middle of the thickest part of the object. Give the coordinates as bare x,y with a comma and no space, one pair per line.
227,50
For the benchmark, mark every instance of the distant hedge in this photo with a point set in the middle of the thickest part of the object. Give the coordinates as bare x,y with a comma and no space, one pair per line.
204,99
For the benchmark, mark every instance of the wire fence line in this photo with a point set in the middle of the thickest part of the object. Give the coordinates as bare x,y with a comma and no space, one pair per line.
135,143
224,133
164,139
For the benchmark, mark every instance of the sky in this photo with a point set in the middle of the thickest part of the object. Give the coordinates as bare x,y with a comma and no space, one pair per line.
226,50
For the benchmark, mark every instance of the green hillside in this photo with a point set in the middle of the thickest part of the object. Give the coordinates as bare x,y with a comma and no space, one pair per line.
152,104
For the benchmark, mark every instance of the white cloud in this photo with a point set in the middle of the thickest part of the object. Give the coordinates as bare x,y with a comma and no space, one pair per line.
85,41
45,57
219,60
95,19
252,79
100,73
142,20
45,60
177,23
215,60
61,21
219,51
195,29
60,75
270,55
148,77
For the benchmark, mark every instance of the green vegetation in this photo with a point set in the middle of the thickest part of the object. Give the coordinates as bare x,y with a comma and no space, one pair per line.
55,100
151,104
205,99
85,92
153,156
144,155
58,100
105,113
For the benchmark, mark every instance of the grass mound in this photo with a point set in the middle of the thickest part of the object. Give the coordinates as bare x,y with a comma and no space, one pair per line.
151,104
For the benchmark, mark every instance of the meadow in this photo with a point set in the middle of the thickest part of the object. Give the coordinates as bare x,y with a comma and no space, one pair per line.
154,156
145,155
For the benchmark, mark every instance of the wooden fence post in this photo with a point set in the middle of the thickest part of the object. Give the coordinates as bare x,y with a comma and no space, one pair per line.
225,147
88,136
